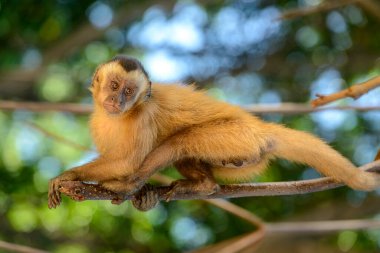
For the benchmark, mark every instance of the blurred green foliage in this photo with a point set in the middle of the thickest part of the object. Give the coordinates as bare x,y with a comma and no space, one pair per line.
236,49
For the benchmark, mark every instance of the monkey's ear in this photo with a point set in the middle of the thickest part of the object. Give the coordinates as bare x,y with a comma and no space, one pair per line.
91,88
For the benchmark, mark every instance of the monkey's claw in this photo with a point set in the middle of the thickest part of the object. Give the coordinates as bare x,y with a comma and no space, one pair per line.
118,200
54,195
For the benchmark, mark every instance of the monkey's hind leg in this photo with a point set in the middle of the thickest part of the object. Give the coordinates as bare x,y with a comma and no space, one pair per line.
198,179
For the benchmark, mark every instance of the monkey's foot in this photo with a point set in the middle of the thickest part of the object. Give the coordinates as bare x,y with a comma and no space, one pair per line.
54,195
203,187
146,198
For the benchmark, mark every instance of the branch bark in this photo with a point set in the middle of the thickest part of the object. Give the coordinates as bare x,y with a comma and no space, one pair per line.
12,247
325,6
80,191
354,92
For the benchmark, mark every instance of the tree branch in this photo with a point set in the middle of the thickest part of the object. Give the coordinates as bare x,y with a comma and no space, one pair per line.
284,108
371,6
325,6
354,91
12,247
314,227
80,191
45,107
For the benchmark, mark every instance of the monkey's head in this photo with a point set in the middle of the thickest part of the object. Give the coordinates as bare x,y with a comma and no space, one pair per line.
120,84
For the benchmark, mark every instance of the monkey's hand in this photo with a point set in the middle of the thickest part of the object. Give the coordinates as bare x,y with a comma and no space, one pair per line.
54,195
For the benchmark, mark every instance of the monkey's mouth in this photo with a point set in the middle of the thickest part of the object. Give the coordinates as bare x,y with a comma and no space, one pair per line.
112,108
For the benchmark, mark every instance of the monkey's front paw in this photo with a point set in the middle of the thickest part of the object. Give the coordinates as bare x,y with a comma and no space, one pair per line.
54,195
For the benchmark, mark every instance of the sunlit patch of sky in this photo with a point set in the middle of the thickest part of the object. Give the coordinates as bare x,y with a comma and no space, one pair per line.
86,158
355,15
115,38
236,32
198,64
329,81
242,89
370,99
187,233
100,14
162,67
28,143
366,147
309,173
31,59
336,22
307,37
309,2
182,31
187,32
49,167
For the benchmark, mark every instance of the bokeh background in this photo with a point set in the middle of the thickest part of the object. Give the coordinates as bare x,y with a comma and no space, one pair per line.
242,52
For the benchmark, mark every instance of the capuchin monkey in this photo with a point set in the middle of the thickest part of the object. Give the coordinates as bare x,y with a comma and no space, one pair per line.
139,128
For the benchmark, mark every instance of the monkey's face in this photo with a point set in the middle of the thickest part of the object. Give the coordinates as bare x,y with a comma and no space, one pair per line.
118,88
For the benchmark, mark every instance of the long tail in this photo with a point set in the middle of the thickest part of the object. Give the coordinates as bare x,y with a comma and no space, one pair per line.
304,148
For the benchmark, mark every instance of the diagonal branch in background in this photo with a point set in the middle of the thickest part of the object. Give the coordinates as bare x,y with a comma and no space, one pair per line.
57,137
284,108
354,91
20,79
323,7
370,6
12,247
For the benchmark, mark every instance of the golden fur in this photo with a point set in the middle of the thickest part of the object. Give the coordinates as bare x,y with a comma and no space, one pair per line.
202,119
203,137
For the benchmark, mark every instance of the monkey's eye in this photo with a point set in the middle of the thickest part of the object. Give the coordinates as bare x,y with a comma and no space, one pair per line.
129,91
114,85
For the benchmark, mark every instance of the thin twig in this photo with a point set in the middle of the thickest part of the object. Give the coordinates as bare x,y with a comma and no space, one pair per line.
354,91
284,108
235,244
12,247
312,227
323,7
377,156
239,243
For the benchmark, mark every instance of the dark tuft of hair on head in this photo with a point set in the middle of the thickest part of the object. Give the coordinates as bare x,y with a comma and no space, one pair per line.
129,64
